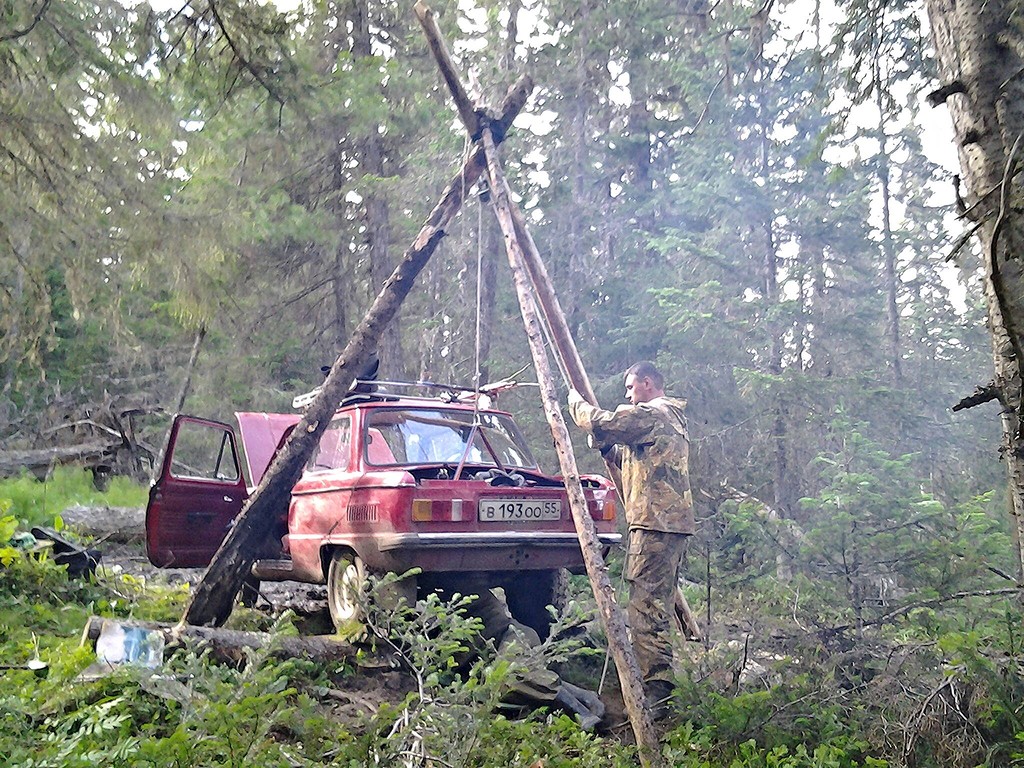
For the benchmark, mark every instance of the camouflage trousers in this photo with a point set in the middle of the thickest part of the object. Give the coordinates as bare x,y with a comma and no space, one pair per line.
652,570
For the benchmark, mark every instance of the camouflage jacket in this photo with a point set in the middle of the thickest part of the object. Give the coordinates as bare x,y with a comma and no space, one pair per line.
648,441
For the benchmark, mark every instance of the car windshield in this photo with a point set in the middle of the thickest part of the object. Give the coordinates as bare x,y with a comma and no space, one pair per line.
409,436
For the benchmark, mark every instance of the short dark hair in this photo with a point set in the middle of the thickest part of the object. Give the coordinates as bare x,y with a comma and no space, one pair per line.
647,370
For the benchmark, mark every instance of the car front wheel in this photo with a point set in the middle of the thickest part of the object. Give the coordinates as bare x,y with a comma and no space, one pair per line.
346,576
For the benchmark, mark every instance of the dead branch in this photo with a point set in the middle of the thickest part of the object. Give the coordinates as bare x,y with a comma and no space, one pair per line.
1001,573
939,95
897,613
707,107
83,423
243,60
982,394
963,239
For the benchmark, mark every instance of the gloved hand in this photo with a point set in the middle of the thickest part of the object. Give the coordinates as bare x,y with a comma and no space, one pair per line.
591,442
575,397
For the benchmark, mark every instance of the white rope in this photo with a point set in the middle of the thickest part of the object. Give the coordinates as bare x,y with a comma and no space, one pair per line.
479,292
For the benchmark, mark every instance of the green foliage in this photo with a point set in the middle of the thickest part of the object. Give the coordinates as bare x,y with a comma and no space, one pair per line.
39,503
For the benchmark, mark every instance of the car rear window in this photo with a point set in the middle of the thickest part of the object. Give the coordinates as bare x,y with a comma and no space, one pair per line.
414,436
334,451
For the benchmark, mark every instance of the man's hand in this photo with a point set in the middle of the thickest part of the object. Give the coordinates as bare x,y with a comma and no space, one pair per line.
575,397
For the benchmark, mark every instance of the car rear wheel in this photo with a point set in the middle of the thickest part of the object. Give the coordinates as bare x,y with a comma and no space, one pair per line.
346,576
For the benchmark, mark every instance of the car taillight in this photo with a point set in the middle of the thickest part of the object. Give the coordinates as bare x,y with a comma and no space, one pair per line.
604,505
436,510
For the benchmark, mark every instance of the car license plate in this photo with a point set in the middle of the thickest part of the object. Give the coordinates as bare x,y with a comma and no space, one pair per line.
515,510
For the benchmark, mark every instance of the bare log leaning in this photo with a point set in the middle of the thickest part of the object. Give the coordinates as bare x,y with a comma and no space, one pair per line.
231,644
611,615
214,596
467,111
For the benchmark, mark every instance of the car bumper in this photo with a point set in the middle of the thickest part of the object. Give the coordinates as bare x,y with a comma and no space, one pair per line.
484,551
503,539
446,552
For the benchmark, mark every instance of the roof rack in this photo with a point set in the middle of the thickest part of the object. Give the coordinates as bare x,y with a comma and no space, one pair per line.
371,389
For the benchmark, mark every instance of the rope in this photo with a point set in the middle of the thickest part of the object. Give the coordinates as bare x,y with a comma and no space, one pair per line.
549,342
479,294
476,357
618,592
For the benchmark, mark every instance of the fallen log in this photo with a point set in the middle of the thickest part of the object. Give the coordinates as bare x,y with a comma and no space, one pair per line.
109,524
231,645
41,461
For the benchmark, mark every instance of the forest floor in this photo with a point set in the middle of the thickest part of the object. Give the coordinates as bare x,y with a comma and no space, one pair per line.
373,683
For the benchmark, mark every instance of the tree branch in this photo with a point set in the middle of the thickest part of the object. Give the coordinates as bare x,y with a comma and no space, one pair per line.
939,95
246,64
32,25
904,610
980,395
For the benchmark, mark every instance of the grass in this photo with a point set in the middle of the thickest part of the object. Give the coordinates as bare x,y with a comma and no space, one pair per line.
38,503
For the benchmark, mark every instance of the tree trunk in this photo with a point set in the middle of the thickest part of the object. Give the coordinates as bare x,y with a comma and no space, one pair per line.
213,598
784,485
339,280
378,230
179,404
888,244
579,235
978,45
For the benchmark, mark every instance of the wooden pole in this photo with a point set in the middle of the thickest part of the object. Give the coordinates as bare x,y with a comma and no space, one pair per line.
467,112
614,622
626,665
552,310
213,598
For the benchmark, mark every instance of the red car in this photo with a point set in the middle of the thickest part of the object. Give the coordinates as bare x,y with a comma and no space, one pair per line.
397,482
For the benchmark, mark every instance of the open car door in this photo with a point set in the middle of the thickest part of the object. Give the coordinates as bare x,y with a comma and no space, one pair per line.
199,492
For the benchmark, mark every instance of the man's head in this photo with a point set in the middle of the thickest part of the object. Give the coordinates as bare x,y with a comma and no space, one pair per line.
644,382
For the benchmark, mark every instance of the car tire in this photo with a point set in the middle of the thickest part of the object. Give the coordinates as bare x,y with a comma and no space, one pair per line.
529,595
346,577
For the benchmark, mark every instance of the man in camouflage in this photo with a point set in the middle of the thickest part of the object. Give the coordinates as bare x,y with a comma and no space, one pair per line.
647,440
